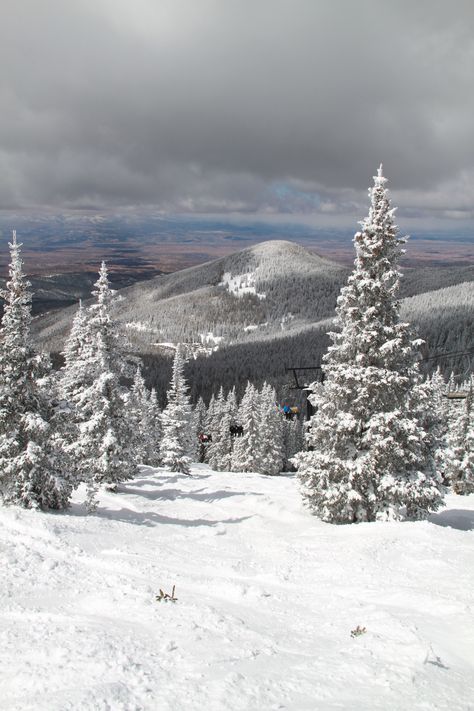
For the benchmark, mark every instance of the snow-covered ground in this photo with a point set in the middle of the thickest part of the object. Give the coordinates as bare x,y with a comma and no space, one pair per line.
267,598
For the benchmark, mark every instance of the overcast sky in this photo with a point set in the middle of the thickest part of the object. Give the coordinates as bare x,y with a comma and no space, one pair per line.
247,106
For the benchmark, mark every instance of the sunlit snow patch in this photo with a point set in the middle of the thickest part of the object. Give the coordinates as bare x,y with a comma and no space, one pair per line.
241,284
139,326
209,338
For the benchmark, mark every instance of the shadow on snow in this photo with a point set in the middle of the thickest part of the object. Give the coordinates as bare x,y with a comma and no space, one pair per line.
169,479
151,518
172,494
462,519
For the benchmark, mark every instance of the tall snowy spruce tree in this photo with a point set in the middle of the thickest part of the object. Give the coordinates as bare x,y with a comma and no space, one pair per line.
177,432
104,448
371,457
245,457
33,470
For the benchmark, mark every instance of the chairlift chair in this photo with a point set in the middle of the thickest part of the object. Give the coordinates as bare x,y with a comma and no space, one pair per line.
454,393
304,387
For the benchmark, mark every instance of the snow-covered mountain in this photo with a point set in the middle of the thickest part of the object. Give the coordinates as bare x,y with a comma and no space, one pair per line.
265,288
256,311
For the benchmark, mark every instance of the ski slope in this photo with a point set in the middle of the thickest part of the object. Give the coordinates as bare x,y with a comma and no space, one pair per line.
267,598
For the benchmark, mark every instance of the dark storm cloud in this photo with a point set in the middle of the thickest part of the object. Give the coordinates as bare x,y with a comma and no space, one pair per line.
213,105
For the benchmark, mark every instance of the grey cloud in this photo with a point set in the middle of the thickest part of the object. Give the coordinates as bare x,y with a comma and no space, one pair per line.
203,105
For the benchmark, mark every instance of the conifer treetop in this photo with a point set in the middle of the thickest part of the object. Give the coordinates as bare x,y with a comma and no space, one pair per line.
379,235
102,291
17,280
17,310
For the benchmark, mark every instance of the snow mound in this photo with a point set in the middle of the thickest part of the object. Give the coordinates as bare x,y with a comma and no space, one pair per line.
267,598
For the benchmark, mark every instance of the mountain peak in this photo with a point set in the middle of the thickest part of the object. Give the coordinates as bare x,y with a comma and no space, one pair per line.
282,257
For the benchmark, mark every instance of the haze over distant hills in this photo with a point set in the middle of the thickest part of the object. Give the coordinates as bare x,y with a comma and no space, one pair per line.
248,315
140,246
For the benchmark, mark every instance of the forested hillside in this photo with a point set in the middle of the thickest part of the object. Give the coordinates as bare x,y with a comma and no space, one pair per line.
442,318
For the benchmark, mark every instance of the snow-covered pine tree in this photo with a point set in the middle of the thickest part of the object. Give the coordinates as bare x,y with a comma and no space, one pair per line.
200,415
300,435
270,448
176,421
103,451
216,413
154,452
211,410
210,414
442,416
460,447
293,441
245,457
220,449
77,373
232,407
199,420
371,457
33,471
142,416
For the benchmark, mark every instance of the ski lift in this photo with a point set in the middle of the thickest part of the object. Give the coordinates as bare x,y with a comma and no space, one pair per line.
305,387
451,394
289,411
454,392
